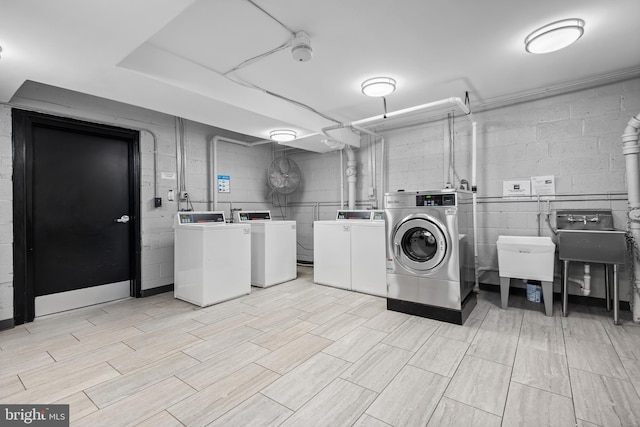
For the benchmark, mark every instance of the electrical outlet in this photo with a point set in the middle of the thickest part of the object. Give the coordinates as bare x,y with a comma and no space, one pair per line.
184,195
170,196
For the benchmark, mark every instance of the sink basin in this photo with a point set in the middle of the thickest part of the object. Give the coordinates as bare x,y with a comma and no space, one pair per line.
606,246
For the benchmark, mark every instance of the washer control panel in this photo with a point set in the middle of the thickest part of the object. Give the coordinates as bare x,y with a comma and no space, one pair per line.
360,215
200,217
248,216
436,200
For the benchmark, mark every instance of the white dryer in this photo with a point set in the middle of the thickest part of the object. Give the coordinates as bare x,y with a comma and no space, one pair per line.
273,248
349,252
212,258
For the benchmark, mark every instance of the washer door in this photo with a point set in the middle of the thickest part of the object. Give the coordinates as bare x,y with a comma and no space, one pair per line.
420,244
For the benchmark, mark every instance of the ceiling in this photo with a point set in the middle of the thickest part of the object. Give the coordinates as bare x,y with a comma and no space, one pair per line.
171,56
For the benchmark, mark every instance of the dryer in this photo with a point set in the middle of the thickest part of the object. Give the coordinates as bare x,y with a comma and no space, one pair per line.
212,258
429,251
273,248
349,252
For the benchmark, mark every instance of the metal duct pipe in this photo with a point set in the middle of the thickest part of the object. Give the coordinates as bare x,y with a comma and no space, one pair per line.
352,178
631,149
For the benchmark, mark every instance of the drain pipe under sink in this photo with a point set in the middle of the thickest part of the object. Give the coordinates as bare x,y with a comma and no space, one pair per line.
585,282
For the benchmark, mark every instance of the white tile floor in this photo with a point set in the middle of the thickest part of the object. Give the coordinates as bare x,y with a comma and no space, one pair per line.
300,354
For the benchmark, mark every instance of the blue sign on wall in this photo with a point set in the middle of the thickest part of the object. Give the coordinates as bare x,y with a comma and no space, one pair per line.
224,184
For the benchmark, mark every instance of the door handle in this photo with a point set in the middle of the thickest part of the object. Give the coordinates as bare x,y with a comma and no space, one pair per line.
397,249
123,219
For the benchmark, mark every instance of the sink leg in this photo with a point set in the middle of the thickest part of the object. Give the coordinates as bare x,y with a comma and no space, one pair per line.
565,288
616,296
504,291
547,294
607,286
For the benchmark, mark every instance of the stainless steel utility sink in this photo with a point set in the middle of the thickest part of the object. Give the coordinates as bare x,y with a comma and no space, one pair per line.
588,236
593,246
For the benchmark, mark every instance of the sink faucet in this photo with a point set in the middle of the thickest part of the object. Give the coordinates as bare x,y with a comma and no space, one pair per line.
571,219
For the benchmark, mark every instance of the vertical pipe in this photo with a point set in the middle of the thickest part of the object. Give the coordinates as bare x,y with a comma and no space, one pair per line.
539,214
631,150
213,179
341,181
446,163
474,188
178,162
351,176
383,183
382,161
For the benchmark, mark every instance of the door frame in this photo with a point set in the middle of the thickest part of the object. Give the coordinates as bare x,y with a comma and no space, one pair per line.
23,122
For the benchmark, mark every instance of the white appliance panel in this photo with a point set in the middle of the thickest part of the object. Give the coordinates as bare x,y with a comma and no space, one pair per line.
368,258
331,253
212,262
273,252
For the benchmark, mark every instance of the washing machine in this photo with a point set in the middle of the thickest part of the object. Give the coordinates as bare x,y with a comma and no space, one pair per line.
429,251
349,252
273,248
212,258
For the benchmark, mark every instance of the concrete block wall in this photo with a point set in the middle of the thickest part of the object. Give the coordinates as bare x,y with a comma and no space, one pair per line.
6,218
156,223
246,167
574,136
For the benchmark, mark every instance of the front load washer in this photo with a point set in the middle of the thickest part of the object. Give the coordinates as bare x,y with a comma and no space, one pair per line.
429,237
273,248
212,258
349,252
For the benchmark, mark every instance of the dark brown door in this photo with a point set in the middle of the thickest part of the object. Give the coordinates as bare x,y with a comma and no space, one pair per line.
79,207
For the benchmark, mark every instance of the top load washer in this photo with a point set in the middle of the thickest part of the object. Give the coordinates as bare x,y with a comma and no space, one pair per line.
212,258
273,248
429,252
349,252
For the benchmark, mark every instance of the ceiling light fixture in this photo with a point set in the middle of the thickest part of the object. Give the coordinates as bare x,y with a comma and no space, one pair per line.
378,86
554,36
282,135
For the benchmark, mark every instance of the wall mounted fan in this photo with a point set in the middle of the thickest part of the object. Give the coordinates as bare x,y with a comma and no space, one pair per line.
283,175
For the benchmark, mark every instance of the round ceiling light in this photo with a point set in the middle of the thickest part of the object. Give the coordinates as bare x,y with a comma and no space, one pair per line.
282,135
378,86
554,36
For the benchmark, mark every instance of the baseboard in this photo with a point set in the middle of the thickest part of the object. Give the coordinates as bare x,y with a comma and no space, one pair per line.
573,299
6,324
156,291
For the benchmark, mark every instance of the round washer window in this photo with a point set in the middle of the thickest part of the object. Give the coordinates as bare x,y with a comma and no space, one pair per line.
419,244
